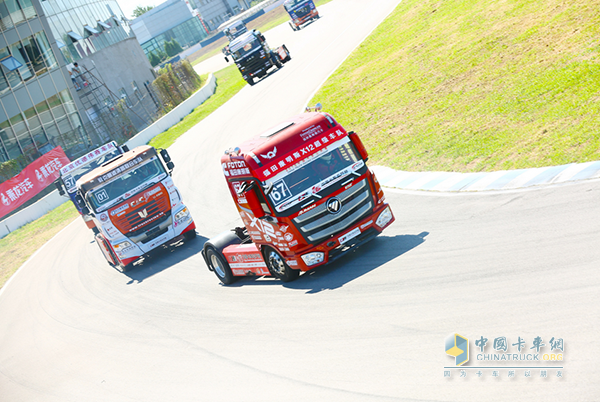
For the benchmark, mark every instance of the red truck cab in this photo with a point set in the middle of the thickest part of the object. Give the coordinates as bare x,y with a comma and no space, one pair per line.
305,196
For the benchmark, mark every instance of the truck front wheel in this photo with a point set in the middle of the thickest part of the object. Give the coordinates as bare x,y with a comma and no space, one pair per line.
278,267
220,266
250,81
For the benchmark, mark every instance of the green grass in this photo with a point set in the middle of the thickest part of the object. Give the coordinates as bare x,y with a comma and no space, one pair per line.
475,86
18,246
229,82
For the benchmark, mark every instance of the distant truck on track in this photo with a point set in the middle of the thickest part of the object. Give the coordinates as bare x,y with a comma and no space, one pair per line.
135,205
253,56
70,173
305,196
235,29
301,12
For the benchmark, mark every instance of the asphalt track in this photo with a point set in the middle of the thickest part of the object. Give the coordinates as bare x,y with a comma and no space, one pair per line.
370,327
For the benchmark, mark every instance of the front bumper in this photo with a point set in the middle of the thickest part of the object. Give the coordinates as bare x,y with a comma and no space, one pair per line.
340,244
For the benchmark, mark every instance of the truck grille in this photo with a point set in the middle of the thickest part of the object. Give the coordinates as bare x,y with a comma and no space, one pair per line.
318,223
149,214
254,63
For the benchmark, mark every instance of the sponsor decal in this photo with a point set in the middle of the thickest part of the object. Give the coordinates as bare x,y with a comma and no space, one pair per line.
292,263
289,237
307,209
235,168
349,236
293,243
103,217
364,225
122,208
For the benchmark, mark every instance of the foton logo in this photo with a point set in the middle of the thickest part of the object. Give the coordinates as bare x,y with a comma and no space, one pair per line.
334,205
143,214
270,154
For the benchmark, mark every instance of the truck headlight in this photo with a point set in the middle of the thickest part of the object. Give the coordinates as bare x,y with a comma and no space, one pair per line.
313,258
384,217
182,214
122,245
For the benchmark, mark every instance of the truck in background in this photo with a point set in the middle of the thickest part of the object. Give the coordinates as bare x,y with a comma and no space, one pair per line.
305,196
235,29
253,56
301,12
70,173
134,203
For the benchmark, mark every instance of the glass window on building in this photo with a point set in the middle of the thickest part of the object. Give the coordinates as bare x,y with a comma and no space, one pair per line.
28,9
5,20
31,49
46,50
18,52
20,131
16,14
9,66
8,139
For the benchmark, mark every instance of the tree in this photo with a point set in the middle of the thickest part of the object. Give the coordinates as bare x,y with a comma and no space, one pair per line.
139,10
154,60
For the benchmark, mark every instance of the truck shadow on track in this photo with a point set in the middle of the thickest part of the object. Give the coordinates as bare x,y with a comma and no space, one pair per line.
357,263
164,257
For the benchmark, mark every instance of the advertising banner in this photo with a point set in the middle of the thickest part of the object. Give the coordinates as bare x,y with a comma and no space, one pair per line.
34,178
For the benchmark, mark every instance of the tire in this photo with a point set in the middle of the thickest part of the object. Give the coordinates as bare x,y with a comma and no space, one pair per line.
278,267
111,255
250,81
219,266
293,26
189,235
106,250
276,61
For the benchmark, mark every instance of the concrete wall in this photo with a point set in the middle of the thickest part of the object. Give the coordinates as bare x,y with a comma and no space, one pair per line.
119,65
53,199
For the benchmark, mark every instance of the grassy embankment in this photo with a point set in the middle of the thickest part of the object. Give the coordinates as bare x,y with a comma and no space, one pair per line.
263,23
475,86
19,245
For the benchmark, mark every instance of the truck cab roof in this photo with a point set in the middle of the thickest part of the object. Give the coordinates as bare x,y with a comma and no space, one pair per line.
285,139
97,176
241,40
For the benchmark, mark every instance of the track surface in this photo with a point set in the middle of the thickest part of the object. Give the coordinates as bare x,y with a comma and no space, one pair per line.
369,327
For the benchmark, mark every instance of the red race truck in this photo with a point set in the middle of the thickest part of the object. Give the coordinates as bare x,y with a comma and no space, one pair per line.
135,205
305,196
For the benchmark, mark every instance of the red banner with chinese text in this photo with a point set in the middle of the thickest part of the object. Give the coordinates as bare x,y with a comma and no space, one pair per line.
34,178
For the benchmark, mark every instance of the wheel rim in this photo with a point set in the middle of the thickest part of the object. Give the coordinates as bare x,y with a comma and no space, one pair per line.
276,263
216,263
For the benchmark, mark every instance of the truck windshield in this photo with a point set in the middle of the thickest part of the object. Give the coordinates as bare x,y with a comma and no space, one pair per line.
242,50
289,5
71,178
126,184
312,175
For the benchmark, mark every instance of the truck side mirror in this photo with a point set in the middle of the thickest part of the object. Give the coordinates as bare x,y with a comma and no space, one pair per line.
59,187
248,189
81,204
165,156
359,145
124,148
170,165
